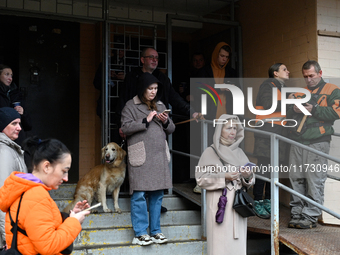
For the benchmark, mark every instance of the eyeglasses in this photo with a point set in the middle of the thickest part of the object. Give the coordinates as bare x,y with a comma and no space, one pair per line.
152,57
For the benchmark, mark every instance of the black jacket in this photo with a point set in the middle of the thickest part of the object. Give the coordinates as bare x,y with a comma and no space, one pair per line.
9,95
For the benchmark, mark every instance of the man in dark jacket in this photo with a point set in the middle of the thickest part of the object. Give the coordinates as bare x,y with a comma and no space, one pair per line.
149,60
310,174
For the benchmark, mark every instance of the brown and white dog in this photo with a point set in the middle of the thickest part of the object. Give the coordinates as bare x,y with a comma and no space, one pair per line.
102,178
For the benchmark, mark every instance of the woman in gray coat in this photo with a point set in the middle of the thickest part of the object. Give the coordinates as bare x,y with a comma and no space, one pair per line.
146,126
11,154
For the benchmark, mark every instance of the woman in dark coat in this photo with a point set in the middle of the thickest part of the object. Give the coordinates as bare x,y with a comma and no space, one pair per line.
278,74
9,94
146,127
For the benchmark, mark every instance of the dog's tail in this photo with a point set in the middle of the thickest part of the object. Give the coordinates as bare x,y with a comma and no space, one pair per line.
77,197
70,206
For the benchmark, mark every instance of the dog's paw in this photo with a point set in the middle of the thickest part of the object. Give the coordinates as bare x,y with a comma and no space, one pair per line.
118,210
107,210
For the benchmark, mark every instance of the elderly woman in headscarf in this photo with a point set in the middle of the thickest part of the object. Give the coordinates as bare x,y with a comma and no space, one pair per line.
222,166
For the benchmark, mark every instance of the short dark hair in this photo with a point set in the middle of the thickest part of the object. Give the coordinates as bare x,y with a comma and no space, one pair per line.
2,67
198,53
310,63
274,68
145,49
226,48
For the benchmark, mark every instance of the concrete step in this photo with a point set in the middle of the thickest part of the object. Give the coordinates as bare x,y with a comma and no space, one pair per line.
115,220
124,236
175,248
112,233
171,202
65,191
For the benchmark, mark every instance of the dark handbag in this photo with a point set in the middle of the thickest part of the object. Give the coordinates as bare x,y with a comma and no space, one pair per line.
14,249
222,203
243,203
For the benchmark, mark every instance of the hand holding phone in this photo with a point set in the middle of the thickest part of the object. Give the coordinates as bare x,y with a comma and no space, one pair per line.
167,111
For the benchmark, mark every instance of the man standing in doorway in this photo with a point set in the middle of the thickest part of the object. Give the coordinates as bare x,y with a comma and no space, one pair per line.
316,133
149,60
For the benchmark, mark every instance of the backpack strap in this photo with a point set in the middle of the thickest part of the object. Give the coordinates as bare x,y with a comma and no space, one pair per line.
315,96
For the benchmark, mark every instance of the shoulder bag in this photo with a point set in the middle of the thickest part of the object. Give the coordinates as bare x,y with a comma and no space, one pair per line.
14,249
243,202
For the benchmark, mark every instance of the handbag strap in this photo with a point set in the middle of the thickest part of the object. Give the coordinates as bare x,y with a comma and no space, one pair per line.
14,229
224,163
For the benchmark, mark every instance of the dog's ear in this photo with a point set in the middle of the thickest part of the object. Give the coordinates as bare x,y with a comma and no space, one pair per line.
123,152
103,152
120,155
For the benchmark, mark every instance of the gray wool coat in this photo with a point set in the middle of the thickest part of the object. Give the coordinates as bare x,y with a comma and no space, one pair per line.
148,151
11,159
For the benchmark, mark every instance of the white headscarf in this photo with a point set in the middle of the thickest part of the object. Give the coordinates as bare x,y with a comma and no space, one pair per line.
232,154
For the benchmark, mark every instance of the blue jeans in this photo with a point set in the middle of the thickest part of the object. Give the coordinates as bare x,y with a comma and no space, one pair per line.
139,212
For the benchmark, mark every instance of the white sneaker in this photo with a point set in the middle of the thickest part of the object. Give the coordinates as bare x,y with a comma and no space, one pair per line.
159,238
142,240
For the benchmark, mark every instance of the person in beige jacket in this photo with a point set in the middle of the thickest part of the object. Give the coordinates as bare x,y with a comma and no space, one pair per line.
221,166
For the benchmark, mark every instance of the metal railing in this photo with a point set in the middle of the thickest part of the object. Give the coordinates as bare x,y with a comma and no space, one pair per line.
274,180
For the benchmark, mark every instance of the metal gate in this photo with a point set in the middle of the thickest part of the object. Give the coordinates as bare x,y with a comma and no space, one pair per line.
125,44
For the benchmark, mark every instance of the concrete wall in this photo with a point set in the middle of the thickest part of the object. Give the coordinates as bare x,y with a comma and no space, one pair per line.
276,31
328,20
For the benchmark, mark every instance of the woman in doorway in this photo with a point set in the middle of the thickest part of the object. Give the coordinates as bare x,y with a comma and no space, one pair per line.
278,75
146,126
39,216
224,153
10,96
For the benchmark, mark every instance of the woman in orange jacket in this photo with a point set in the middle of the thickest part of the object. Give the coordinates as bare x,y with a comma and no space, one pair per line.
39,216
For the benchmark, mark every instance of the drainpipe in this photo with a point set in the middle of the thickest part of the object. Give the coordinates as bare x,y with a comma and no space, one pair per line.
274,155
105,71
